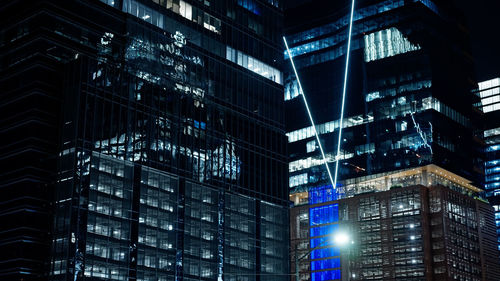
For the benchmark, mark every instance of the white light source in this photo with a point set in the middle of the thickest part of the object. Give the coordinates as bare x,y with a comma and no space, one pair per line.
341,238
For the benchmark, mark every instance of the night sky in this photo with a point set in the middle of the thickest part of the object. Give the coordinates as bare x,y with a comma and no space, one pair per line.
483,18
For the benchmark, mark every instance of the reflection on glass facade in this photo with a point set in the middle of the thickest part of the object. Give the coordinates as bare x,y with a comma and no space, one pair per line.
489,93
173,165
386,43
396,108
408,121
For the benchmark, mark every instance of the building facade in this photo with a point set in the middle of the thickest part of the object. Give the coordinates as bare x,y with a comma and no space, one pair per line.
420,233
161,127
408,101
489,92
402,230
408,108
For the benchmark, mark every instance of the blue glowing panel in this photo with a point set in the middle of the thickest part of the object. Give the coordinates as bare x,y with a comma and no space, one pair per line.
324,214
320,242
325,253
325,264
324,230
250,5
326,275
200,125
322,194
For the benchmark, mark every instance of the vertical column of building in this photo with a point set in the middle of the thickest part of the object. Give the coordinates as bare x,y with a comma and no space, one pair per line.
180,227
134,223
488,242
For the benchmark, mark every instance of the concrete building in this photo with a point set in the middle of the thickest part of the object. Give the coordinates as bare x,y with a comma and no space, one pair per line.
418,224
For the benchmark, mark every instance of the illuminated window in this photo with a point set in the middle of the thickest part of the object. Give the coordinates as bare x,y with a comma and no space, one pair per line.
492,132
311,146
291,90
487,85
493,148
298,180
386,43
253,64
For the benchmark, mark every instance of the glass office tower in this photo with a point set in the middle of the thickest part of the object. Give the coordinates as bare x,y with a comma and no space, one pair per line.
408,99
489,92
168,133
408,106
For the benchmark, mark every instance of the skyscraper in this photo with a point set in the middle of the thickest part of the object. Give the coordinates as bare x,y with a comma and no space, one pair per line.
489,92
408,110
154,130
402,109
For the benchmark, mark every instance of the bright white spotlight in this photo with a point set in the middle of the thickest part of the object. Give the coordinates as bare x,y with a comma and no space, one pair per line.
309,113
344,93
341,238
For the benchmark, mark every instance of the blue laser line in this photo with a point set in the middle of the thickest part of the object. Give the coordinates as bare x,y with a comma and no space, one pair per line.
309,113
337,157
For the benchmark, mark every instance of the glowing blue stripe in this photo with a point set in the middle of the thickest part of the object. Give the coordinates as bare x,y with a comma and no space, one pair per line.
309,113
337,157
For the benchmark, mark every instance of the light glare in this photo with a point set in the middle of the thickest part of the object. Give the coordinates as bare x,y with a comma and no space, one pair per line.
341,238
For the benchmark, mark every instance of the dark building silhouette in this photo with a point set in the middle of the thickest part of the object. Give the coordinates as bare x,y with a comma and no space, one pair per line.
142,140
408,121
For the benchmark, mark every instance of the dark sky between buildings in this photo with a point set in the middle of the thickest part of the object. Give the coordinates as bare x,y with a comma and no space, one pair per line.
483,20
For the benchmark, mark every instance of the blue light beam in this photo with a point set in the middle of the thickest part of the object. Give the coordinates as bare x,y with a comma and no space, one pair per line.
309,113
337,156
